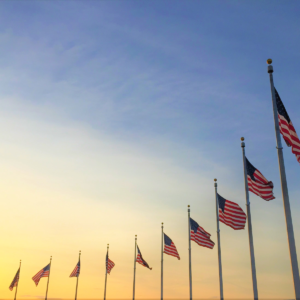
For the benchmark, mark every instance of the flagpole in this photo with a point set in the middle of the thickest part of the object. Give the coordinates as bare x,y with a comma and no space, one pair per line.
134,268
162,260
190,254
285,194
77,278
18,281
251,245
48,278
219,243
106,272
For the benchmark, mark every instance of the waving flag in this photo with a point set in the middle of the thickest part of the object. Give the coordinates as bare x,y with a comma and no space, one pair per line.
287,128
140,260
258,184
170,247
231,214
43,273
109,264
15,281
200,236
76,271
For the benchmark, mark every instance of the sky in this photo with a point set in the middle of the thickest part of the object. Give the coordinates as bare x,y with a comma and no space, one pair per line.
116,115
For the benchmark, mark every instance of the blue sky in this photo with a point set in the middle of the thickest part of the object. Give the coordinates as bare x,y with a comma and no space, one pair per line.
154,68
155,96
188,74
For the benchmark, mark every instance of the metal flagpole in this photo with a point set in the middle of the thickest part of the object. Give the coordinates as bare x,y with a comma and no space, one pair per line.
251,245
106,272
48,278
134,268
18,280
285,194
162,261
77,278
190,254
219,243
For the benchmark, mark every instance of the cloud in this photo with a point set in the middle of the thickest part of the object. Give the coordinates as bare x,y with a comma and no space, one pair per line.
110,125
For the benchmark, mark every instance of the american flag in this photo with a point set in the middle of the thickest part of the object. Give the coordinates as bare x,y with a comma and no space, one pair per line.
15,281
170,247
287,128
258,184
200,236
43,273
231,214
76,271
140,260
109,264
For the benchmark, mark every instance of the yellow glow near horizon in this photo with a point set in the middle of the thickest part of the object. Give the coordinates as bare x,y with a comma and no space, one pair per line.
67,188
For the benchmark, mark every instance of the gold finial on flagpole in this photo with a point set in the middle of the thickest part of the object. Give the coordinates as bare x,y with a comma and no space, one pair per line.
243,143
215,179
188,206
269,61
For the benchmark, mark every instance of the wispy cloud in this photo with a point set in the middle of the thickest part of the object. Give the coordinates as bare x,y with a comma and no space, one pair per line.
116,115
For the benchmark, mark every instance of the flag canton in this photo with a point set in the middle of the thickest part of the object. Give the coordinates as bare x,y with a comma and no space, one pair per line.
194,225
47,268
170,247
280,107
250,169
78,267
168,241
138,249
221,201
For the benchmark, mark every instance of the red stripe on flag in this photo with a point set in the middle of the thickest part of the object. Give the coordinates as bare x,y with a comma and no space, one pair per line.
233,215
75,272
290,136
261,186
15,280
36,278
202,238
109,265
141,261
171,250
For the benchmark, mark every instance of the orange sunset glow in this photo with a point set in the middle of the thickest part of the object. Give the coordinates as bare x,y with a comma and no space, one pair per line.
117,115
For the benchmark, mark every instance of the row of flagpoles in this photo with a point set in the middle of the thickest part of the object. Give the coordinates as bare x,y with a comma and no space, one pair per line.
45,272
227,212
